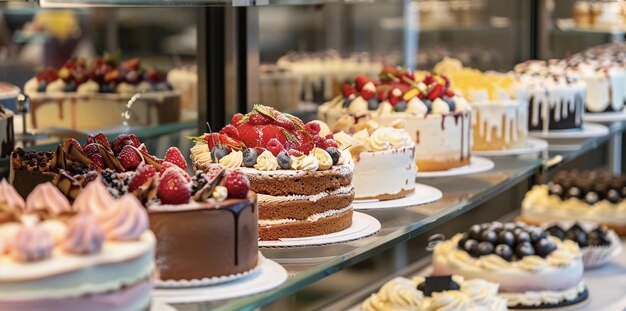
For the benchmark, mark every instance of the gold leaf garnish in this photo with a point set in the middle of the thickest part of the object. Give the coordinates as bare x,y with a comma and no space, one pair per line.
264,110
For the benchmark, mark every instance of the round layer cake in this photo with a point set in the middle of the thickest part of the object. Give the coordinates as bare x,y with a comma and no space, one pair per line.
578,196
303,182
606,83
85,256
438,121
522,259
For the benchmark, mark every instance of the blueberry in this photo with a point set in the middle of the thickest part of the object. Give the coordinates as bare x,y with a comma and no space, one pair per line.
107,88
504,251
544,247
484,248
41,87
489,236
509,226
471,247
70,87
524,249
577,235
598,238
506,238
249,157
522,237
334,154
556,231
613,196
372,104
536,235
474,232
450,102
462,240
428,104
401,106
218,152
284,160
163,86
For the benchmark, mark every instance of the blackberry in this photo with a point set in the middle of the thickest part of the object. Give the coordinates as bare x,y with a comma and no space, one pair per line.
198,182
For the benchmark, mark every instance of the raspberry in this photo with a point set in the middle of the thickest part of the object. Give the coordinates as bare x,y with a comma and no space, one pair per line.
436,92
449,93
306,147
167,165
367,94
295,153
330,143
74,142
237,184
123,140
130,158
230,131
347,90
360,81
99,138
173,189
259,119
236,118
428,79
313,128
330,136
144,173
173,155
283,121
274,146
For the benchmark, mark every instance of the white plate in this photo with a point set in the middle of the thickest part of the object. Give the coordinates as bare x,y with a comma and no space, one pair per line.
587,131
531,145
477,165
605,116
205,281
362,226
423,194
269,276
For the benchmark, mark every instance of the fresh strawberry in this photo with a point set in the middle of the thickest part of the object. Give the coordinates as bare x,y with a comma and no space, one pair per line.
237,184
330,143
258,119
347,90
168,165
394,96
360,81
449,93
283,121
436,92
74,142
216,138
381,95
144,172
100,139
236,118
428,79
153,76
112,76
173,189
91,149
421,95
367,94
295,153
274,146
259,136
330,136
447,80
173,155
47,75
96,160
130,157
230,131
124,140
313,128
131,64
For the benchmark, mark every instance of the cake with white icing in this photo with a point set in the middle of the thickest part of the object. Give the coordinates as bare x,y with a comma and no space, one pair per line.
452,293
606,15
58,256
438,120
303,182
384,161
499,107
594,196
184,79
532,268
605,81
556,97
84,95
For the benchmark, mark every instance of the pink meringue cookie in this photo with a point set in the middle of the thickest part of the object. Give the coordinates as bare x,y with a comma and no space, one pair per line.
47,197
95,199
84,235
127,219
10,197
32,243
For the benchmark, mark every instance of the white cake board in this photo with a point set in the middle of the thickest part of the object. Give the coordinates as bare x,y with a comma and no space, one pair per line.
605,116
477,165
423,194
530,146
269,276
588,130
363,225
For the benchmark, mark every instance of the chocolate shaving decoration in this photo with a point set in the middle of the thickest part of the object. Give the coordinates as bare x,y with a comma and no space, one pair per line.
76,154
147,192
207,191
148,158
437,284
67,184
110,161
59,161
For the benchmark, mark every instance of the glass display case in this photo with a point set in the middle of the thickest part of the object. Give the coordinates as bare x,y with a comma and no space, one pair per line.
171,67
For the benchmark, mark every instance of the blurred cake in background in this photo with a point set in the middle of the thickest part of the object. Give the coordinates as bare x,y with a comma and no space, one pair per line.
86,95
279,87
184,79
8,98
500,111
606,14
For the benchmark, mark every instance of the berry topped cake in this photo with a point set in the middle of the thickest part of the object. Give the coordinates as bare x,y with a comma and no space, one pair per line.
500,110
532,268
92,95
91,255
303,182
452,293
437,119
384,160
594,196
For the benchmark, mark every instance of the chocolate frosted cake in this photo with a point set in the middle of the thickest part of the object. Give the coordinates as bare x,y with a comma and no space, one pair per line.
7,134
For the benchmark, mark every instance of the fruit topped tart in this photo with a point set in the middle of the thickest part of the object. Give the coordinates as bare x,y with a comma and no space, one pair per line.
436,117
94,254
433,293
302,180
533,268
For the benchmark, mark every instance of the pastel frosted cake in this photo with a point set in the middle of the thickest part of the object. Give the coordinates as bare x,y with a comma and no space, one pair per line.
384,161
452,293
58,256
438,120
534,270
88,96
499,107
593,196
303,182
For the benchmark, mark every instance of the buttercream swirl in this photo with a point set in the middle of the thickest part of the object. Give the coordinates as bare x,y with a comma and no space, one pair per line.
397,294
56,86
385,138
358,105
543,297
344,139
232,160
95,199
325,161
10,198
89,87
126,221
266,161
32,243
305,163
448,301
84,235
200,153
46,197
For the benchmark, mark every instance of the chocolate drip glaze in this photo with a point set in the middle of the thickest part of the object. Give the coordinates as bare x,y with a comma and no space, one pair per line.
236,210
